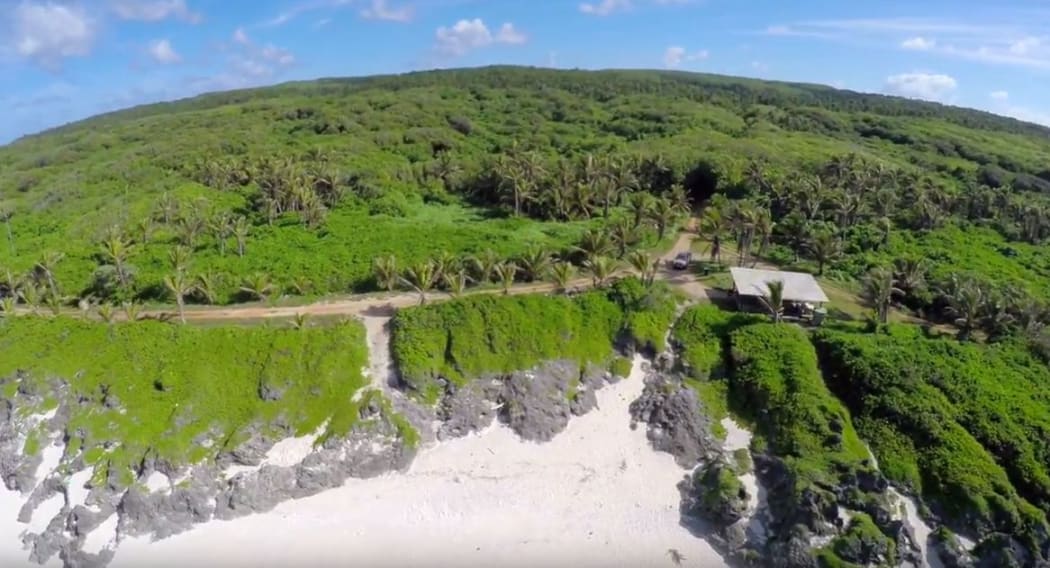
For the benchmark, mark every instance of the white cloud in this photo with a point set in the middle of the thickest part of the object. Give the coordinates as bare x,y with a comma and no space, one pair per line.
510,35
919,43
1025,45
153,10
604,7
380,10
241,37
48,32
277,55
999,95
162,52
675,55
1009,38
467,35
928,86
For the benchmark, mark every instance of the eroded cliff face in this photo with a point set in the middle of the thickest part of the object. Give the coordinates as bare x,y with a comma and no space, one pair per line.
94,508
67,501
748,504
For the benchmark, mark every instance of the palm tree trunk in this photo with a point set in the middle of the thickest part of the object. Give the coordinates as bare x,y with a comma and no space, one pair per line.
181,303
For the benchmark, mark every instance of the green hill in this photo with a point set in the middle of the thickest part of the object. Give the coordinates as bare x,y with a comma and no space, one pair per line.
312,180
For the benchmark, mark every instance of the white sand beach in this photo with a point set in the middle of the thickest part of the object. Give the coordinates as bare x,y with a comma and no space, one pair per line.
598,495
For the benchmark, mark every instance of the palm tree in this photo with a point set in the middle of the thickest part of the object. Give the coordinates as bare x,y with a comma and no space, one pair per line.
679,199
763,229
179,286
910,275
168,208
638,206
561,274
385,270
301,286
106,312
257,286
31,297
663,214
624,235
189,229
534,263
794,228
457,281
713,226
206,288
132,310
825,247
601,268
7,306
506,272
45,269
241,229
965,299
421,278
179,258
116,250
773,299
645,266
484,265
879,291
145,228
222,225
445,263
300,321
594,243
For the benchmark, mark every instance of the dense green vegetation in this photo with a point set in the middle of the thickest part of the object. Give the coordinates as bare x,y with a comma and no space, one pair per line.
863,542
463,339
297,188
963,425
775,378
180,394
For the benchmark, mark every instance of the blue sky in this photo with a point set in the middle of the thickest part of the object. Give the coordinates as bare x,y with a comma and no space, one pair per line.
62,60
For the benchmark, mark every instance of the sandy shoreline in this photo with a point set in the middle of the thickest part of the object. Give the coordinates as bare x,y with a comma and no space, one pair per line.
597,495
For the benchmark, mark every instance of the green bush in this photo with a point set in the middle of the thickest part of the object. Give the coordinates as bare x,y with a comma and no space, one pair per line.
463,339
700,334
962,424
775,379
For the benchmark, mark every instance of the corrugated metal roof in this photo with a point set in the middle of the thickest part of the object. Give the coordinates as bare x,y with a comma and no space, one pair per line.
798,286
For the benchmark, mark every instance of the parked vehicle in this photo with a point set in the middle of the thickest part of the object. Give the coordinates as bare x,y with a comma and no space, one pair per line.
682,260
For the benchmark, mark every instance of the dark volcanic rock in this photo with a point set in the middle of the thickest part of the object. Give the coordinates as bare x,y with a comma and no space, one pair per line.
677,422
717,495
535,404
467,409
1001,551
793,552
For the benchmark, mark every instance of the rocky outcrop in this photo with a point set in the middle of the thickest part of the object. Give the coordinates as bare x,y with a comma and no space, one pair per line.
677,422
537,404
716,494
467,409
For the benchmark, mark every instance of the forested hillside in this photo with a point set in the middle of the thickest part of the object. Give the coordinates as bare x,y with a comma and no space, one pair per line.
295,189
